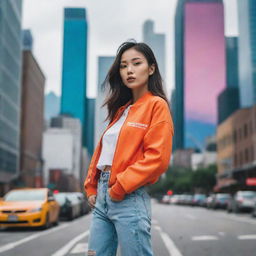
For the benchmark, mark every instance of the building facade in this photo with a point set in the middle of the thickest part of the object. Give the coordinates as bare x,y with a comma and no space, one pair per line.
10,90
204,67
32,122
236,140
74,66
247,52
157,43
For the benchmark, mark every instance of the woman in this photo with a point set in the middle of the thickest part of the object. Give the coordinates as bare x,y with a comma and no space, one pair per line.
133,152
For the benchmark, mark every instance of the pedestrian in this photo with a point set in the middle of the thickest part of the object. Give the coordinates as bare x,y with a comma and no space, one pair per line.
132,153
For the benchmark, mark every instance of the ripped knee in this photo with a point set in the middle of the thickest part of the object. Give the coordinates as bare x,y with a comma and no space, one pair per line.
91,253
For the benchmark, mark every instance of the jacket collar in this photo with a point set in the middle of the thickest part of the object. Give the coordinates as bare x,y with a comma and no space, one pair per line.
142,99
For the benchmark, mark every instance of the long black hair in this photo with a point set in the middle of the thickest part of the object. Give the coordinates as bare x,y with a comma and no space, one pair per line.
119,93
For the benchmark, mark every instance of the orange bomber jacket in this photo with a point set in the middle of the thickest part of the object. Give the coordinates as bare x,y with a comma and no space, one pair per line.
143,148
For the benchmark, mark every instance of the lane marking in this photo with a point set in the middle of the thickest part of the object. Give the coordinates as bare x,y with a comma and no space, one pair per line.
222,233
154,222
204,238
66,248
171,247
247,237
12,245
80,248
190,216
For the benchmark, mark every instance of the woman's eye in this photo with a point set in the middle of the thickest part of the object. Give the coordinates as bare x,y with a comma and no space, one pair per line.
137,63
122,66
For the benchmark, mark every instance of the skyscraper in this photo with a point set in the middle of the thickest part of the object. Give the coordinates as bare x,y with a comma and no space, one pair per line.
27,39
10,90
200,67
247,52
157,42
73,98
228,100
178,94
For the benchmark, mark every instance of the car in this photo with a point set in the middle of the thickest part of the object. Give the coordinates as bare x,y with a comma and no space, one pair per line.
242,201
199,200
220,201
70,206
166,199
209,201
29,207
84,205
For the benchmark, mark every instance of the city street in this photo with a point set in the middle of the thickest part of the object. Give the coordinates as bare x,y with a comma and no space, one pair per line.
176,230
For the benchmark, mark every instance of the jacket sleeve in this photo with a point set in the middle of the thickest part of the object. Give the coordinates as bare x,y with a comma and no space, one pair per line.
157,145
90,184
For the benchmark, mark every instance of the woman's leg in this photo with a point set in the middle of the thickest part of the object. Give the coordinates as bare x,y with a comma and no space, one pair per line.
102,237
132,219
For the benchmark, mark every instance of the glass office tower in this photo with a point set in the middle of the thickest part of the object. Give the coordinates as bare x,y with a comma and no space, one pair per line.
73,98
10,89
204,67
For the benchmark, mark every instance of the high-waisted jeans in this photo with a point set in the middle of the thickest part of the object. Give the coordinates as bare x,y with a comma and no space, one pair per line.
127,222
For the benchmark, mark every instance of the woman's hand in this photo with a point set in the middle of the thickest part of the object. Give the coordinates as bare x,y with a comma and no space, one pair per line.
92,200
112,199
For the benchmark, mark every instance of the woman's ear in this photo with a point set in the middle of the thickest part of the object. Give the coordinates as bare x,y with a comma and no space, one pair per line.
152,69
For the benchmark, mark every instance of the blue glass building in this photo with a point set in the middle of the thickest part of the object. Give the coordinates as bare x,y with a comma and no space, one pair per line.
73,98
247,52
10,90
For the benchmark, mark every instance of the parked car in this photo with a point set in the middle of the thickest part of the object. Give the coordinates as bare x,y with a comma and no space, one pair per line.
70,205
209,201
254,210
30,207
84,206
220,200
242,201
174,199
199,200
166,199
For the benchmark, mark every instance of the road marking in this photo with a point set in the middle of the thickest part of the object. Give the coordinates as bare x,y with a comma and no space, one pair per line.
222,233
154,221
190,216
204,238
171,247
12,245
65,249
80,248
237,218
246,237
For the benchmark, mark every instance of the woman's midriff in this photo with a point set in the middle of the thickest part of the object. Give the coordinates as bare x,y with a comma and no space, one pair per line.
107,168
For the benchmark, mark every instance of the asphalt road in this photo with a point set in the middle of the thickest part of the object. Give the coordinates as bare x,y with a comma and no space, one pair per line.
176,231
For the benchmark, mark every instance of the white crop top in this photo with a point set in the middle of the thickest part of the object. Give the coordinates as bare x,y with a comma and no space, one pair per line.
109,141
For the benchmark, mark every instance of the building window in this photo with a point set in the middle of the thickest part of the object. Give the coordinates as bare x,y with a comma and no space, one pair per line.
235,136
235,164
240,134
241,158
245,131
251,128
246,155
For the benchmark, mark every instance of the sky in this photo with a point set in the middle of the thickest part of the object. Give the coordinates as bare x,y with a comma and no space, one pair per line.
110,23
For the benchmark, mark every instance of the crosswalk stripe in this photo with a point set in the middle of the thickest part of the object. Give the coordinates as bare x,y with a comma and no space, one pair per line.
247,237
204,238
80,248
65,249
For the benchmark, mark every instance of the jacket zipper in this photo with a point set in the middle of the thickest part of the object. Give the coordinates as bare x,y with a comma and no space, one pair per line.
117,143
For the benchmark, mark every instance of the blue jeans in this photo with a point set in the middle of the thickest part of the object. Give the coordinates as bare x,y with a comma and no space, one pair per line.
127,222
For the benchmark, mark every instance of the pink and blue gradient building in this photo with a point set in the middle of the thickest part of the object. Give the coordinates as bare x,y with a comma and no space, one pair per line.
202,73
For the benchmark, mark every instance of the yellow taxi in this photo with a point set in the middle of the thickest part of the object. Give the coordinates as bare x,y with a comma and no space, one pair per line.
29,207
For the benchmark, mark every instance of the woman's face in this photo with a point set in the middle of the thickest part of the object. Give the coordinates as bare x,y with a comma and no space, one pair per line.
134,69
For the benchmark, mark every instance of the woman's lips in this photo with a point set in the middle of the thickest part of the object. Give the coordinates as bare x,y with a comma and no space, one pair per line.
130,80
